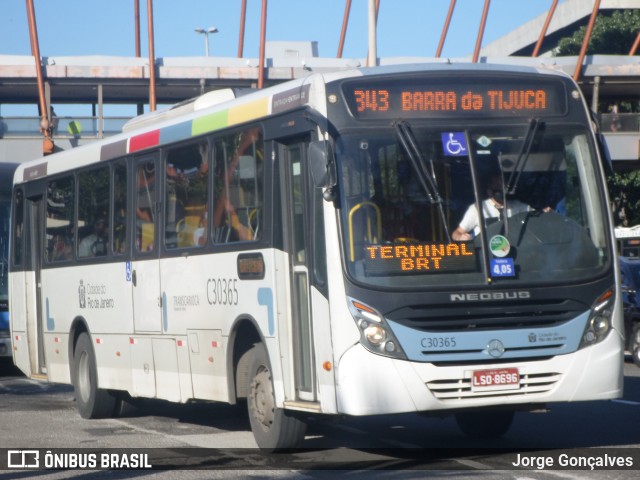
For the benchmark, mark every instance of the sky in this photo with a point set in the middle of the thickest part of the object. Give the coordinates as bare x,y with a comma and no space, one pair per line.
405,27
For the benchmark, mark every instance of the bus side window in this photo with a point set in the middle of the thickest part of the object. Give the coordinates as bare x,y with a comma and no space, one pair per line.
59,221
145,203
93,213
119,234
186,196
238,180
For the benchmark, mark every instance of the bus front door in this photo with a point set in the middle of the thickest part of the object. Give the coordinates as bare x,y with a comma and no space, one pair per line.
297,218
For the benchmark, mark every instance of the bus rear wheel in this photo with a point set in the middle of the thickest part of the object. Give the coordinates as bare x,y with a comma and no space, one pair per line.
485,424
273,428
91,401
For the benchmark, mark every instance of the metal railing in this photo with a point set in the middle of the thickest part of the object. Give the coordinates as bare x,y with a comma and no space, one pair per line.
64,127
94,127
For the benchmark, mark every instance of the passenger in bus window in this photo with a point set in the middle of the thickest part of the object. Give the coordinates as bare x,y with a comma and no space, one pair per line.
62,249
174,209
200,233
95,245
227,224
145,202
119,232
229,198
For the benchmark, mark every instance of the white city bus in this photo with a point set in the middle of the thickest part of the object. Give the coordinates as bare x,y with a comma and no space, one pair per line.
6,184
295,247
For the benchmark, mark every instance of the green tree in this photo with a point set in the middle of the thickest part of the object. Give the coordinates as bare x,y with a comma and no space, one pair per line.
624,190
612,35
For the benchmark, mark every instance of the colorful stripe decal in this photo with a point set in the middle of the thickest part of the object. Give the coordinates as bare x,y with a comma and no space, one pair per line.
144,140
113,150
209,123
249,111
201,125
175,132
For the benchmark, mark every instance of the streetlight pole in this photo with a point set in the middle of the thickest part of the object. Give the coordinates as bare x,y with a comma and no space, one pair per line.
206,37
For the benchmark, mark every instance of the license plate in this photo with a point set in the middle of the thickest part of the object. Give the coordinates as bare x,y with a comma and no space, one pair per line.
495,379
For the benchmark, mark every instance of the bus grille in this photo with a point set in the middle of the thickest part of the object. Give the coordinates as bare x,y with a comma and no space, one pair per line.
486,316
460,389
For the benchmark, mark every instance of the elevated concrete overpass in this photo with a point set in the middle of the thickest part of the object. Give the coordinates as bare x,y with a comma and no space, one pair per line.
100,81
568,17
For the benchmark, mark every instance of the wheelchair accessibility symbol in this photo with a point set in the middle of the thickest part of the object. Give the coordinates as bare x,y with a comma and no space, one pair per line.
454,144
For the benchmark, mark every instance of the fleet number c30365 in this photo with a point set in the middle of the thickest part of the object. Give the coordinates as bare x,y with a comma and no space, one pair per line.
222,291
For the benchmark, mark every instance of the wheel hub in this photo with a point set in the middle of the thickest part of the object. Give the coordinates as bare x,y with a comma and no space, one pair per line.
263,401
84,378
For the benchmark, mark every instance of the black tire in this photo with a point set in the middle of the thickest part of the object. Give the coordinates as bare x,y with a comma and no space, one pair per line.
126,405
274,429
91,401
485,424
634,343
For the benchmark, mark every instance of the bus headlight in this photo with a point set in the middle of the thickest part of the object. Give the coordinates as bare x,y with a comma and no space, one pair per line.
375,334
599,324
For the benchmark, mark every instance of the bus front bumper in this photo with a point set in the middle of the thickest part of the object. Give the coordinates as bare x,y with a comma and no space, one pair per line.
369,384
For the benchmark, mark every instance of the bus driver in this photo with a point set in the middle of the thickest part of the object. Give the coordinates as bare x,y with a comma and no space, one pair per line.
492,207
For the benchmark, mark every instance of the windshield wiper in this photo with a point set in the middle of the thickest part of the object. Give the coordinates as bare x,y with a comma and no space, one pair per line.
518,168
408,142
523,156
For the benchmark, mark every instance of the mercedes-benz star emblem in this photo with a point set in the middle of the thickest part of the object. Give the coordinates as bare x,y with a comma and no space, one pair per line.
495,348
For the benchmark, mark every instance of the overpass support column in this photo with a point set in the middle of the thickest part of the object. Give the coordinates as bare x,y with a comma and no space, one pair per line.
100,112
596,94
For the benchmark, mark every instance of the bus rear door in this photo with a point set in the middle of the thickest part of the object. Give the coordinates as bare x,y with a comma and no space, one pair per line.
145,267
30,308
145,275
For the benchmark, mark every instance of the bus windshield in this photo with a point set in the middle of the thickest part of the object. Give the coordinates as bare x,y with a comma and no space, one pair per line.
436,207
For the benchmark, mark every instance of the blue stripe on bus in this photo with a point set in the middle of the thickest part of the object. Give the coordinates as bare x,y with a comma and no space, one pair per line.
175,132
51,323
265,298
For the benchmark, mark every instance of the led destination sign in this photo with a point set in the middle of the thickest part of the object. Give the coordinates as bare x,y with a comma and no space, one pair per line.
397,99
419,258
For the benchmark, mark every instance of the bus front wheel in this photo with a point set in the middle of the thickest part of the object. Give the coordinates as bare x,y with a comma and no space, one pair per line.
91,401
485,424
273,428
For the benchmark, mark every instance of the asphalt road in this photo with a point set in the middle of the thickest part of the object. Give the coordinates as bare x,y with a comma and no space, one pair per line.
214,440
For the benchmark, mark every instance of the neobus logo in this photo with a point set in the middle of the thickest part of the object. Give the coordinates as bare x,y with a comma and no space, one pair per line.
488,296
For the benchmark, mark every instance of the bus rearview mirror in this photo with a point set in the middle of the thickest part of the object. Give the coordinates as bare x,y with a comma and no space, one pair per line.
321,164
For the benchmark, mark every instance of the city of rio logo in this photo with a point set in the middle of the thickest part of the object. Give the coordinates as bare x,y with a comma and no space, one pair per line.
94,296
82,295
